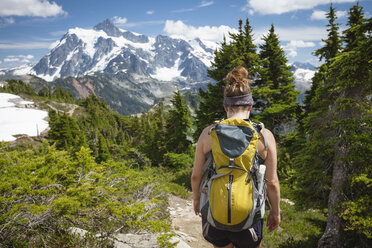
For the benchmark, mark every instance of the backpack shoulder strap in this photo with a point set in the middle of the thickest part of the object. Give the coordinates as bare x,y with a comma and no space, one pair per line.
261,127
264,135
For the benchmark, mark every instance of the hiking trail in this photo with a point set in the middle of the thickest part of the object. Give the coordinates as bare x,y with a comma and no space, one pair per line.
185,223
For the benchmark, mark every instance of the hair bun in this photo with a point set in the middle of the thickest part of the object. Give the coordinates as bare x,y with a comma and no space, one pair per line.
237,82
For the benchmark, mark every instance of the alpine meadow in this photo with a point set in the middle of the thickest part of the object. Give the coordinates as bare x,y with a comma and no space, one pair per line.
106,166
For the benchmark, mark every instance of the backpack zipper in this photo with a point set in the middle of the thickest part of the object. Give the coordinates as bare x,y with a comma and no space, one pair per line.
229,186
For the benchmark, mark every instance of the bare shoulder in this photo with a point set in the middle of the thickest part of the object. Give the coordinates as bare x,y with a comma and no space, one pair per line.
269,134
204,142
205,133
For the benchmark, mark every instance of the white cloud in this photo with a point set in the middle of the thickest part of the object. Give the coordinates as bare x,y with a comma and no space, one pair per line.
9,20
178,29
322,15
284,6
119,20
307,33
6,21
183,10
291,47
150,12
201,5
26,45
18,58
341,14
137,24
205,4
318,15
42,8
53,45
58,33
11,59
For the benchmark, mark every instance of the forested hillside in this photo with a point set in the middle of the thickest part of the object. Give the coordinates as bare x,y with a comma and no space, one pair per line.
108,173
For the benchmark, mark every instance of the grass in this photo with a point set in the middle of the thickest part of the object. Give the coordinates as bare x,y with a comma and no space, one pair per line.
298,228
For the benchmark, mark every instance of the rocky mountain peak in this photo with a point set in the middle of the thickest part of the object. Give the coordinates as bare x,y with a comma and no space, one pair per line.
109,28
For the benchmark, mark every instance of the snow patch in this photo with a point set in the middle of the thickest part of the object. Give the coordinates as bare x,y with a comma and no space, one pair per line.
89,37
199,52
14,120
167,74
4,100
22,70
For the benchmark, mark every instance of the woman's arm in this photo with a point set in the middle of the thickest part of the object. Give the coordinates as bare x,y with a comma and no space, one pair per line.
202,148
273,188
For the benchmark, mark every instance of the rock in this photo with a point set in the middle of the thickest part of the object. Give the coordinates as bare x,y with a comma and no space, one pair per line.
77,231
135,240
180,244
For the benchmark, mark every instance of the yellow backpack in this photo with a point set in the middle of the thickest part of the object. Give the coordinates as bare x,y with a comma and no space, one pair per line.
233,194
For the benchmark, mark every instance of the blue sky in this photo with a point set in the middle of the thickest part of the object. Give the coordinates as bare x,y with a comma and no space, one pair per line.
28,28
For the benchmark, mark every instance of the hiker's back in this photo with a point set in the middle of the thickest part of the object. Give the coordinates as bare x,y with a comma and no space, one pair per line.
235,192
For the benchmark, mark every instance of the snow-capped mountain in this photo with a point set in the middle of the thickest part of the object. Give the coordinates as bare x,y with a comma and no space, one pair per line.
108,49
303,74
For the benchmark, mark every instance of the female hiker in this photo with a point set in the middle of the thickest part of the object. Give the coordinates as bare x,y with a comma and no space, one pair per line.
238,104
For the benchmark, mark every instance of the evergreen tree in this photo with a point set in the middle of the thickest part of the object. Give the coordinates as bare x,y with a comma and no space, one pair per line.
64,131
244,50
45,92
211,103
350,119
332,169
353,35
240,51
330,50
18,87
333,43
152,132
103,151
177,125
274,94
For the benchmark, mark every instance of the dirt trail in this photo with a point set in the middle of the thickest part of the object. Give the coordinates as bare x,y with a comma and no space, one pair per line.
185,223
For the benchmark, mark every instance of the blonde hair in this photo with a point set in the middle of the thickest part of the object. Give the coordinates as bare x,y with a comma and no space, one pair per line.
237,82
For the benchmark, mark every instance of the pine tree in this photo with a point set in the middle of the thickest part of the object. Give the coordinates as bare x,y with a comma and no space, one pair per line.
152,134
240,51
64,131
103,151
244,50
177,125
330,50
274,94
332,169
333,43
350,120
352,36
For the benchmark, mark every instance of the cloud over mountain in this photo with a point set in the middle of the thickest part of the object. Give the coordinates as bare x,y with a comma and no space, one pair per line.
178,29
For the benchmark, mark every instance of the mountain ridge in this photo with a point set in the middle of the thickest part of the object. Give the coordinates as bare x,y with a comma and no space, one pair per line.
129,71
108,49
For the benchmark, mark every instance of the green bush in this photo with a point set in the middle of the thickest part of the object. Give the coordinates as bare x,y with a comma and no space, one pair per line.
43,194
